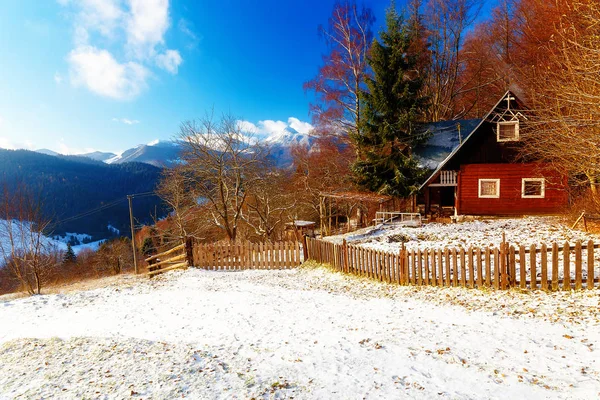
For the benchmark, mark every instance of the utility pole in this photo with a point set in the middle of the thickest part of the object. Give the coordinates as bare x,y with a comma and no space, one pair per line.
129,197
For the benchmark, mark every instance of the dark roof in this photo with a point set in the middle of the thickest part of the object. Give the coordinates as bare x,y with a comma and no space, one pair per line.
445,137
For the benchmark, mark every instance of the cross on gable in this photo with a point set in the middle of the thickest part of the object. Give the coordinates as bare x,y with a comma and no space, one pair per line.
508,100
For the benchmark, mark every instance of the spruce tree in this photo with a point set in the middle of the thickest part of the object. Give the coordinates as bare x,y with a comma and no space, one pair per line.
70,256
391,106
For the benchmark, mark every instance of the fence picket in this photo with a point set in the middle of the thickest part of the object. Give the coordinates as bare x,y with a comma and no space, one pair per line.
578,271
434,268
590,265
479,268
454,267
544,278
522,268
471,268
532,267
554,266
447,261
496,269
440,266
488,267
463,268
513,266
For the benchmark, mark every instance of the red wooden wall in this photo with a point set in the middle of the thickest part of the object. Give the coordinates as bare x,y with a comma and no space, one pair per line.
510,201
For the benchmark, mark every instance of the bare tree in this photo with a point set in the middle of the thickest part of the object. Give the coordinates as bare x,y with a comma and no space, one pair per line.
24,247
270,204
565,126
176,190
221,163
447,22
341,77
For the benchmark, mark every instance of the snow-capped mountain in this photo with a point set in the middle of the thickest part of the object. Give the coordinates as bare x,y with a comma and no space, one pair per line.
99,155
158,153
164,153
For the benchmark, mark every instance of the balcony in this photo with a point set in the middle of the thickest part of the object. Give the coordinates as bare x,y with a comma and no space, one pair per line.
446,178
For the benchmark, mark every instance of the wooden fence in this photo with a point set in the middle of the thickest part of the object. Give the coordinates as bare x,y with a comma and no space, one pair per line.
175,258
241,256
551,267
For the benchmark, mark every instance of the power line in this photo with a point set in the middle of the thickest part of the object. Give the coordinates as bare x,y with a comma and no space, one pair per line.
102,208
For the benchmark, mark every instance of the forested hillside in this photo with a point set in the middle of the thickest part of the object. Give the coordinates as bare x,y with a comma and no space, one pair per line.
70,186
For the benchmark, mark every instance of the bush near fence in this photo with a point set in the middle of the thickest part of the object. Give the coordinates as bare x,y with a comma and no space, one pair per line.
554,267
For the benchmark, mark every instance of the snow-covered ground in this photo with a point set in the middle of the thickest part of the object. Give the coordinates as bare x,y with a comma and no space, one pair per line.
303,334
478,233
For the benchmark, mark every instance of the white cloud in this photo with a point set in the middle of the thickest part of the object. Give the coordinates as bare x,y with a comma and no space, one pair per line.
126,121
300,126
133,28
99,71
270,129
6,143
147,23
58,78
193,38
169,61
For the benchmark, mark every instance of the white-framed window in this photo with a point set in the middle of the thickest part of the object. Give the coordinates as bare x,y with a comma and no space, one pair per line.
533,188
489,188
507,131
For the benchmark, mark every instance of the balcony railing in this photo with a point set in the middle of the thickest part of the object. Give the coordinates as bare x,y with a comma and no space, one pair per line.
447,178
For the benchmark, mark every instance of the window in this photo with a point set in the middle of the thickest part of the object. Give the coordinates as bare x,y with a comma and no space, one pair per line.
533,188
489,188
508,131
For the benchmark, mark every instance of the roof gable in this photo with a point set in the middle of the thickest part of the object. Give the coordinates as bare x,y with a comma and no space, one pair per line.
508,108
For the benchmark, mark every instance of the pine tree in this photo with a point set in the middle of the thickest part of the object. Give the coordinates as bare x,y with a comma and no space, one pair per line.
391,107
70,256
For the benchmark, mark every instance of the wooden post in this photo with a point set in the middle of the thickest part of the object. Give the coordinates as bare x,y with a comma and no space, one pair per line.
434,280
448,269
555,266
590,265
345,255
479,268
463,268
402,267
566,266
544,258
522,268
503,266
496,269
454,267
532,267
135,266
513,266
471,268
488,267
189,251
305,248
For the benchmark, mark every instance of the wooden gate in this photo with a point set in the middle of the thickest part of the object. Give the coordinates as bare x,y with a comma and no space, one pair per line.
175,258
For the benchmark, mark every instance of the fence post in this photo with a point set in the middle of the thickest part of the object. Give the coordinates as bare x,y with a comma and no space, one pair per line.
345,255
402,266
189,251
305,248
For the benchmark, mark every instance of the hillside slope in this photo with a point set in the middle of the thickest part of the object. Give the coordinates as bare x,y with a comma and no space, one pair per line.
70,186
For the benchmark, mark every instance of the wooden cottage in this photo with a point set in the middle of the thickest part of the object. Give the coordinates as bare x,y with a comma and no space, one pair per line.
483,174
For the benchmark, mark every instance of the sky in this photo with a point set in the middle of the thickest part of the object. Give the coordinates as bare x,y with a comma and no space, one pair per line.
107,75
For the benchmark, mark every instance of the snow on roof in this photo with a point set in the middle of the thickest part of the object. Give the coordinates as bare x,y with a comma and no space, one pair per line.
445,137
301,223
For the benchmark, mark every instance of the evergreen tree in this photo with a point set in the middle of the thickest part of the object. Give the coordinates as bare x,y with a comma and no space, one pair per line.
70,256
391,107
148,247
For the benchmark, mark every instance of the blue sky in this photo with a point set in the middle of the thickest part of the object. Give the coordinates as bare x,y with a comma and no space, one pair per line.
81,75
